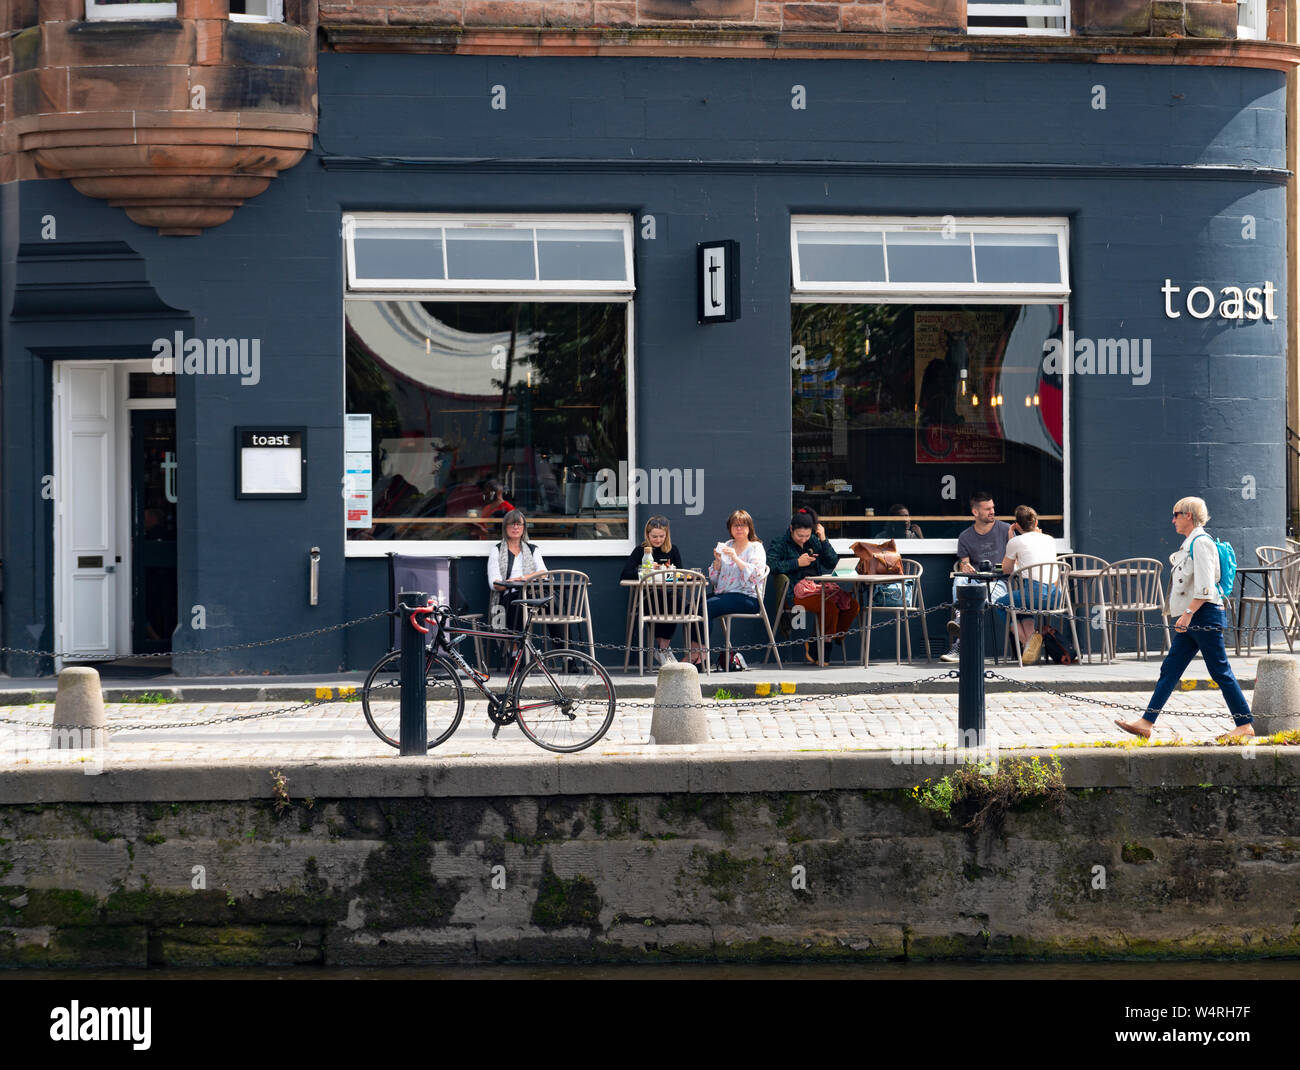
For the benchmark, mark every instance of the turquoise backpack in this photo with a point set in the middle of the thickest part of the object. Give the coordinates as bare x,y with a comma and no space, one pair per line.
1227,563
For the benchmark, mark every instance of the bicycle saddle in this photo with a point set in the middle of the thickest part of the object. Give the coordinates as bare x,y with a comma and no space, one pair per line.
533,601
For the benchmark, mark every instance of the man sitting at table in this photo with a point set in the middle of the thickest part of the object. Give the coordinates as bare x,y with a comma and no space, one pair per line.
984,540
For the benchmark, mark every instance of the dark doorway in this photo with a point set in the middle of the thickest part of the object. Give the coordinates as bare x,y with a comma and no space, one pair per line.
153,530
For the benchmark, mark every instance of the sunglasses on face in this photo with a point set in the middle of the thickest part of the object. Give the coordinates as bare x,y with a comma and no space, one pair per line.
1177,515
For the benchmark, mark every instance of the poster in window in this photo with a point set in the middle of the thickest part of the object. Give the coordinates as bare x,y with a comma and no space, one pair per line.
958,358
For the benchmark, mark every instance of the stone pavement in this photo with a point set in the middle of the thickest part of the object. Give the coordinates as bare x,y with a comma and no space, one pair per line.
790,724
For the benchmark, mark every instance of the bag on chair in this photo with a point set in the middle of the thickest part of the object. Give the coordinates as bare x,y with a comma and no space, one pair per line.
878,558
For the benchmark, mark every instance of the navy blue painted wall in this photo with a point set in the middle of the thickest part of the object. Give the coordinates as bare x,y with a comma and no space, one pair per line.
1155,185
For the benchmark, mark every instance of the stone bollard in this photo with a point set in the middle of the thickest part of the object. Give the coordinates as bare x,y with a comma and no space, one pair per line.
79,702
679,683
1275,705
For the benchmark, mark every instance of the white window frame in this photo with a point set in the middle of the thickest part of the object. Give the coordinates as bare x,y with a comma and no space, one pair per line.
274,13
101,12
568,292
978,294
1060,10
963,226
1256,12
504,222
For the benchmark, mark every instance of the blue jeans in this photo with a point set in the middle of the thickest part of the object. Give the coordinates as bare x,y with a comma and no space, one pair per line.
1044,594
731,602
1210,643
997,596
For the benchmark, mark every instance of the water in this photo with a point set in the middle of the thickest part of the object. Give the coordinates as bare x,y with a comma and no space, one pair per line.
1205,970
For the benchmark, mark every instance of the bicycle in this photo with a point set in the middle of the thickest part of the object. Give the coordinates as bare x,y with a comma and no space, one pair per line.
575,698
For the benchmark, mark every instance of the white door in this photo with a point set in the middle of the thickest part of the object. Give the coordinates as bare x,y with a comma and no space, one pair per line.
85,495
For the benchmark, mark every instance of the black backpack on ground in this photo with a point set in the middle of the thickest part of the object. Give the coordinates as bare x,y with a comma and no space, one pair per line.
1057,648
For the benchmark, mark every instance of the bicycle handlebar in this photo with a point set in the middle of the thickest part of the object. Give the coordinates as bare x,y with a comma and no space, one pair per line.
430,608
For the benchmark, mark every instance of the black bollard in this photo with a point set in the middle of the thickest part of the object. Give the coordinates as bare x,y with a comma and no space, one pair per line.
971,599
413,738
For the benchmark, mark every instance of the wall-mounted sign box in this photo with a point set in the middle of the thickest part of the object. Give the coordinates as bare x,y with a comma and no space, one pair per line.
719,282
270,462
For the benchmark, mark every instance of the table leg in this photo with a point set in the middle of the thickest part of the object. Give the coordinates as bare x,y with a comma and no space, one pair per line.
1268,601
1241,598
821,631
627,643
869,590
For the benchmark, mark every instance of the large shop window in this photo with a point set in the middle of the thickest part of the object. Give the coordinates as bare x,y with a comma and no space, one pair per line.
501,377
919,373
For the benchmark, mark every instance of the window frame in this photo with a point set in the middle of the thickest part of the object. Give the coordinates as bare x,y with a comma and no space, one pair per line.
1257,32
505,221
905,224
1060,10
275,10
551,293
930,294
136,12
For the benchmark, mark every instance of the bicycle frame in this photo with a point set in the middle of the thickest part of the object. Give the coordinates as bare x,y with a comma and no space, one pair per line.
444,618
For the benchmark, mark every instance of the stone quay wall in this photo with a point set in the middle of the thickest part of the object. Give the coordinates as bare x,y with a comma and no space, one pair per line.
1154,853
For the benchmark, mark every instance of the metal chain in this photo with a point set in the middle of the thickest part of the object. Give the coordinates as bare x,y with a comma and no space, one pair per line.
789,700
142,725
989,674
72,656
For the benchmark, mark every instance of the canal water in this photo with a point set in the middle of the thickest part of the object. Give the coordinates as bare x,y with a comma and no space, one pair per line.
1201,970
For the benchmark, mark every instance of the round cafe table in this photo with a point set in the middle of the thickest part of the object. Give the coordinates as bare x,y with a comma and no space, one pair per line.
853,580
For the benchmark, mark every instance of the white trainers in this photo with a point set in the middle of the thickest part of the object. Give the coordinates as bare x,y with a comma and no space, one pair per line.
664,656
953,655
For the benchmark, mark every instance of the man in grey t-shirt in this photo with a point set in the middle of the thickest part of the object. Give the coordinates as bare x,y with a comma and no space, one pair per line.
985,540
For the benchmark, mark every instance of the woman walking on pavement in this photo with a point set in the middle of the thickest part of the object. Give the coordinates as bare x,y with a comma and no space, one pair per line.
1194,596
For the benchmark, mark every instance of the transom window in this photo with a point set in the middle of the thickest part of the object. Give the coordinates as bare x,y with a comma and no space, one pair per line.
501,254
949,256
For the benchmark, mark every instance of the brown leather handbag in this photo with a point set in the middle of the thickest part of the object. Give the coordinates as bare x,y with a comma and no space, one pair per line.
878,558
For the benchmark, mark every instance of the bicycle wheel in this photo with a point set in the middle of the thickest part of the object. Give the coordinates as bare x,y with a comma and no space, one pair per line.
444,699
565,701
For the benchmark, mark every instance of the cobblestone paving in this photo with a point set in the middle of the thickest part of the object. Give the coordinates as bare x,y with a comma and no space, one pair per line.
338,730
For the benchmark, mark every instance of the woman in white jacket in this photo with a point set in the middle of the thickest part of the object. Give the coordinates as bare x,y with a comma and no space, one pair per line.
1194,596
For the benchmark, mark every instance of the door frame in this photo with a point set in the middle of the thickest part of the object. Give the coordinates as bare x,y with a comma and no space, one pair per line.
125,406
122,644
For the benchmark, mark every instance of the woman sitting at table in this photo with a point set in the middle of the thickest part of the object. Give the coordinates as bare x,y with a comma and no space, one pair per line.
804,552
513,560
1029,546
737,567
659,545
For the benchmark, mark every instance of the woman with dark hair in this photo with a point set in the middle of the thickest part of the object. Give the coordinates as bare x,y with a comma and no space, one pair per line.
513,560
804,552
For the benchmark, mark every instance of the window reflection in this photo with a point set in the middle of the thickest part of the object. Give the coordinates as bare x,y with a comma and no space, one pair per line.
477,406
894,399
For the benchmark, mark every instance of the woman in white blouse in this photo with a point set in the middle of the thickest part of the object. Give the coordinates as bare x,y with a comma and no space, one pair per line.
513,559
1194,596
1030,547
